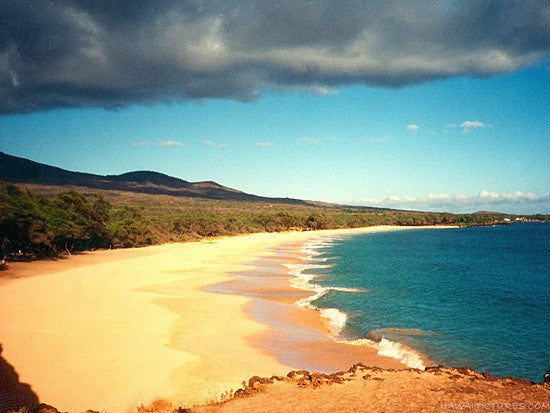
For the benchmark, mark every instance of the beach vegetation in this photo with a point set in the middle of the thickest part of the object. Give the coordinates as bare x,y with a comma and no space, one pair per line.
48,221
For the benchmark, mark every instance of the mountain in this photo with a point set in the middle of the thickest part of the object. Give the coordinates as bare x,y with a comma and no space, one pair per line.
20,170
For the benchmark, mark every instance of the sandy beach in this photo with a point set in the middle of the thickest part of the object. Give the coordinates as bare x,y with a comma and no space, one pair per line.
111,330
299,335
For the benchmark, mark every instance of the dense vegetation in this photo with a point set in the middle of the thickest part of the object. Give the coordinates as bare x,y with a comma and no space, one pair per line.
50,221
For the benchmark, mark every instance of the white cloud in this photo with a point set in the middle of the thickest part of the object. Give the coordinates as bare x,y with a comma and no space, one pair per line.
462,202
170,144
516,196
140,143
307,141
412,127
264,144
381,139
313,141
467,125
216,145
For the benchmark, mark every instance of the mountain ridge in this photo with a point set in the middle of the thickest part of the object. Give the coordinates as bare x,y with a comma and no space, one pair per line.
14,169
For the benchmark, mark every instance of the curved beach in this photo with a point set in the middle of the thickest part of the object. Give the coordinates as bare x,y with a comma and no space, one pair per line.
111,330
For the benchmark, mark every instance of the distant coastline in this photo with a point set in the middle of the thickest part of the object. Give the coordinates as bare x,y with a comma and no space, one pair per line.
41,222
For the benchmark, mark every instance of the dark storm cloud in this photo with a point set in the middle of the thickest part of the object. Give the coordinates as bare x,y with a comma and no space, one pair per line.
66,53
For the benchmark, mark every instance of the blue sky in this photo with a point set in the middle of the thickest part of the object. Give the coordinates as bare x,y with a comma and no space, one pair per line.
478,138
349,146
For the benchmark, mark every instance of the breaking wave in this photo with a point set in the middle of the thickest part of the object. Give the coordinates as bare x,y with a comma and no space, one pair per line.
388,348
336,319
402,353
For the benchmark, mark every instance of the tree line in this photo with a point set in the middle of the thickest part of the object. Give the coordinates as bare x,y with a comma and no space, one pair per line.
34,226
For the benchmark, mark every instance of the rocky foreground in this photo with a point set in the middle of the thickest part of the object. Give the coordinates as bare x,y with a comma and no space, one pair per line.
366,389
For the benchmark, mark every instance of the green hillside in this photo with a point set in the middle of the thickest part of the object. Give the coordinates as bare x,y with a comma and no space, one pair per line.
38,221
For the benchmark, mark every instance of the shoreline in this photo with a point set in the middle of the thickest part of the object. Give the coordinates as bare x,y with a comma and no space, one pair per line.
281,298
297,336
111,330
336,318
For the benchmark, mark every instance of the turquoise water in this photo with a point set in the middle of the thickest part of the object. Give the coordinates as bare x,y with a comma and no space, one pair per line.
476,297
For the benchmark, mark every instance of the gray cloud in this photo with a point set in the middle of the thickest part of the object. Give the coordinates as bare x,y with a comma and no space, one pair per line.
78,53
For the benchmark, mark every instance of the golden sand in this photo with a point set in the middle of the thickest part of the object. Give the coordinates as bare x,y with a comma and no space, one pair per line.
110,330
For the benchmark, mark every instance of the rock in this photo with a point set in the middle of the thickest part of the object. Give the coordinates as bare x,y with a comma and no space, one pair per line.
295,373
487,376
45,408
261,380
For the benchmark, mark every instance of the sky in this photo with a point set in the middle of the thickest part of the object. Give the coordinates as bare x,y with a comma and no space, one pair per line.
439,106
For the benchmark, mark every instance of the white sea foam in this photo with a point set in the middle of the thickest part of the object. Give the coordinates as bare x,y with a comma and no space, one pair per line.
337,319
311,252
402,353
312,247
315,259
303,280
388,348
348,289
361,342
320,244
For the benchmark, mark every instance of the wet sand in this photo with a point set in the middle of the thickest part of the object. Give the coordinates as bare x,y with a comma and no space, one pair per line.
298,336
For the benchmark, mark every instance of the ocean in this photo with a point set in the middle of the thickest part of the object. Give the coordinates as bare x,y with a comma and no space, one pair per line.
475,297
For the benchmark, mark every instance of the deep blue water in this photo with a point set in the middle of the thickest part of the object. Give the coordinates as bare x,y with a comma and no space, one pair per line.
476,297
